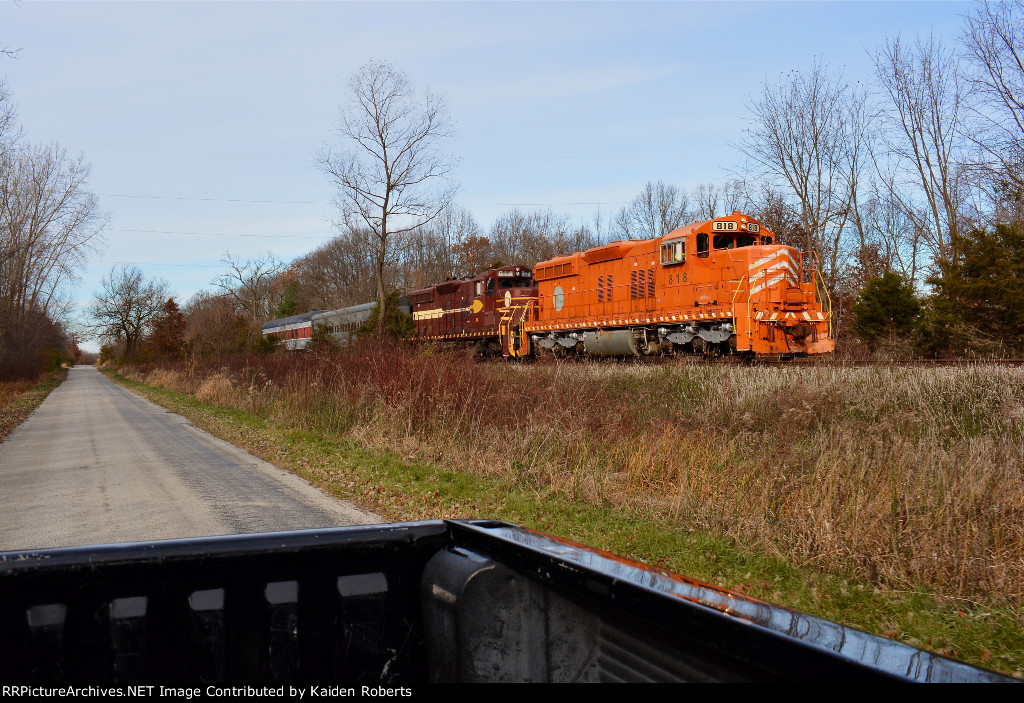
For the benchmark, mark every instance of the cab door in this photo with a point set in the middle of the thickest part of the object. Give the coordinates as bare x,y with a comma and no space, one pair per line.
672,272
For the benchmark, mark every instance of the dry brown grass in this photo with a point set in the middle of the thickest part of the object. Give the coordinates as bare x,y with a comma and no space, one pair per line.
9,390
19,398
908,476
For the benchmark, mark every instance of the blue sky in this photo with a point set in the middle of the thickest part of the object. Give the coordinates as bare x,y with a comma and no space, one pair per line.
189,112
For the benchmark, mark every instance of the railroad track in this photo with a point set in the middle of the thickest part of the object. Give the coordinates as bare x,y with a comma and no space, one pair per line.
803,361
888,362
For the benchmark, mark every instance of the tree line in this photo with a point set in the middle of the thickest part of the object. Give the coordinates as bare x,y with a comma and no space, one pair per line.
913,174
908,183
49,223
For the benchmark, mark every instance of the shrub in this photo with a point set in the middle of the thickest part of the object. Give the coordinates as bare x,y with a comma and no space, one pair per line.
886,309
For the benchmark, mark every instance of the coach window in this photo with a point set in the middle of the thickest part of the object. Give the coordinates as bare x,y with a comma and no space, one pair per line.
490,286
702,245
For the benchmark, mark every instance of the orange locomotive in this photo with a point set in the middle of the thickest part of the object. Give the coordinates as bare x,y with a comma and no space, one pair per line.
721,286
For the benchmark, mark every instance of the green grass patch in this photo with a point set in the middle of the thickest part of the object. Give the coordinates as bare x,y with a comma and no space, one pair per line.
400,488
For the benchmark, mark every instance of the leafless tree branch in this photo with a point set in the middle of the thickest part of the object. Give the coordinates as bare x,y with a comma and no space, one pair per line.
389,175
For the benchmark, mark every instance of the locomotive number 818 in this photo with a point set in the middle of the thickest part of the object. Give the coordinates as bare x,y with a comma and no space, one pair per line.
722,286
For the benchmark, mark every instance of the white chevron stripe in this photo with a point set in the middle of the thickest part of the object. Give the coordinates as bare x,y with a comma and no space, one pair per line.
772,281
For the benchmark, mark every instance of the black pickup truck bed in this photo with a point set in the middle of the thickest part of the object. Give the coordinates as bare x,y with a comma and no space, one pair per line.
404,604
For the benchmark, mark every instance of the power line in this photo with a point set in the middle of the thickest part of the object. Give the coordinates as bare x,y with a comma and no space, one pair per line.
318,202
212,200
163,263
226,234
541,204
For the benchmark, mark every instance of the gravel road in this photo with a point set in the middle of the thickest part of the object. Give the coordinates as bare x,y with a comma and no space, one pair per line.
98,464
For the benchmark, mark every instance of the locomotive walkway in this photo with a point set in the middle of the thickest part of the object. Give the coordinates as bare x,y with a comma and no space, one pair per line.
97,464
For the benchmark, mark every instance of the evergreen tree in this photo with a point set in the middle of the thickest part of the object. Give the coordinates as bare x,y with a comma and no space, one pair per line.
397,323
886,308
289,303
167,337
321,339
979,292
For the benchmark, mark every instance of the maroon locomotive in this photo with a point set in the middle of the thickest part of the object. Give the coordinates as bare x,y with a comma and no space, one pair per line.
485,311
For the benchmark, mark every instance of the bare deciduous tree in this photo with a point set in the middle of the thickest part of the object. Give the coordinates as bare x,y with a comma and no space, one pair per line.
712,200
994,42
213,327
389,175
434,252
925,111
8,120
49,223
125,307
524,238
339,273
801,132
250,284
454,227
891,237
656,211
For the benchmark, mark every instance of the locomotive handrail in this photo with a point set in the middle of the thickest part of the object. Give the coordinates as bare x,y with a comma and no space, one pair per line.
828,297
750,317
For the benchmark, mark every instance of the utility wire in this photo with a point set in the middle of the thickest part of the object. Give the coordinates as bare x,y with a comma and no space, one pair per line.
163,263
212,200
225,234
318,202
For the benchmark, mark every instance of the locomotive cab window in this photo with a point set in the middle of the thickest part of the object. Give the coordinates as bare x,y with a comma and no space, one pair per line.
731,241
490,286
724,241
673,252
702,245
